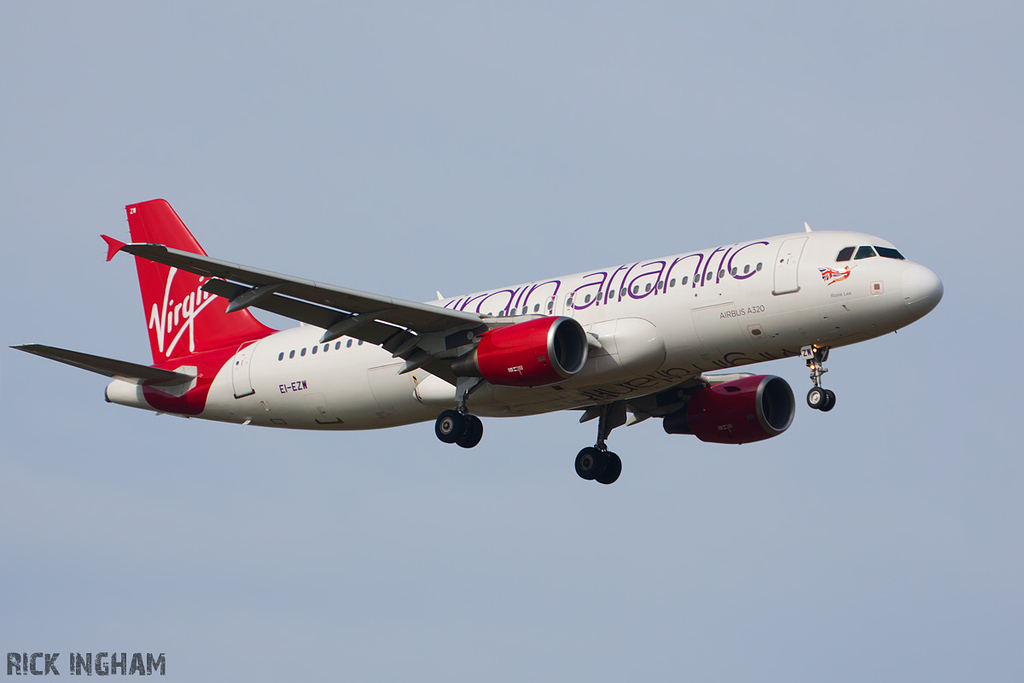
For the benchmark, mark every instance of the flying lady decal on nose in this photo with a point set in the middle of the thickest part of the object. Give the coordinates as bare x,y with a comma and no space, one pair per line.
831,276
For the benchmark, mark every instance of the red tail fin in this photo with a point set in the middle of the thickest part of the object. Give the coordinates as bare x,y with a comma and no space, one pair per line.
182,318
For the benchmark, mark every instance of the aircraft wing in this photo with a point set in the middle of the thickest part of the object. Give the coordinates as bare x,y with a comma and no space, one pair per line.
418,333
118,369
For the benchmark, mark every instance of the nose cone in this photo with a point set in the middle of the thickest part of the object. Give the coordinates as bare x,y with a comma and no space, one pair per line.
922,289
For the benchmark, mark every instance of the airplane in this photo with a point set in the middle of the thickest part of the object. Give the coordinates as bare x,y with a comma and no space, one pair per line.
621,344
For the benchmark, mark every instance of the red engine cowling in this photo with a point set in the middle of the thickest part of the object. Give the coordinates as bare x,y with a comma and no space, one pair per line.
741,411
535,353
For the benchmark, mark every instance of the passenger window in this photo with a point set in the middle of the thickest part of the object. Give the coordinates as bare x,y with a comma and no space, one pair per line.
536,307
864,252
291,354
314,349
337,345
280,356
359,343
721,273
648,287
586,299
845,254
348,344
887,252
672,282
746,269
326,346
685,279
734,272
302,352
759,267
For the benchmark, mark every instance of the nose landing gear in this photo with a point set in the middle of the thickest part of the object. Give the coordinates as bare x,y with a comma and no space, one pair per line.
818,397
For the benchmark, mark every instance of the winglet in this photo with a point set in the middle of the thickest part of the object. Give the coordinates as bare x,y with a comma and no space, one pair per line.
113,246
807,228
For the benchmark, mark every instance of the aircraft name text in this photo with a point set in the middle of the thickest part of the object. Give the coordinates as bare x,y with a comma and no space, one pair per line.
740,312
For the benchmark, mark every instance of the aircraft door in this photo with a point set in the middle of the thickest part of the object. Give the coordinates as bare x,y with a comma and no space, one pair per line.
787,266
718,328
241,382
567,305
390,389
321,410
551,305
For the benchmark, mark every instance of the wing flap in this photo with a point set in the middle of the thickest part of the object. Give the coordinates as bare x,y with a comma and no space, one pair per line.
393,324
118,369
422,318
372,331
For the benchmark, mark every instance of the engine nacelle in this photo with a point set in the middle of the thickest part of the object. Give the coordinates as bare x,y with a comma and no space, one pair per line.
534,353
744,410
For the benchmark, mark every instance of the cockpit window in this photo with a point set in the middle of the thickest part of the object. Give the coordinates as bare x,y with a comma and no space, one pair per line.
845,254
864,252
887,252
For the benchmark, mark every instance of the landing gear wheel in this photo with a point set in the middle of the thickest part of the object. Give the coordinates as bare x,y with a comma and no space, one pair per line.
474,432
612,471
451,426
816,398
830,401
591,463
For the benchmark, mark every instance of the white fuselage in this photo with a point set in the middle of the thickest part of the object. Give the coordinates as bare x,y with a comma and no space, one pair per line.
654,324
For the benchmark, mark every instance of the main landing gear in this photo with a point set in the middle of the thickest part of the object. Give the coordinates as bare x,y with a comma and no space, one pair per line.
458,426
597,463
462,428
818,397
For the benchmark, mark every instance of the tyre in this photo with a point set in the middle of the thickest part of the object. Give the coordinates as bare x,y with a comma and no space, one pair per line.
474,432
612,471
816,398
451,426
590,463
830,401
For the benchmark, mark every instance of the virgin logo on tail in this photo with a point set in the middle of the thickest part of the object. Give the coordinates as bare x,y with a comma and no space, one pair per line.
175,317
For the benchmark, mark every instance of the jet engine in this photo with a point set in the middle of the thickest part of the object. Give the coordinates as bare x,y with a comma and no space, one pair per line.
534,353
741,411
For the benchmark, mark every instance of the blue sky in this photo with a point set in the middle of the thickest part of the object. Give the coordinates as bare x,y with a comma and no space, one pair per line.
405,149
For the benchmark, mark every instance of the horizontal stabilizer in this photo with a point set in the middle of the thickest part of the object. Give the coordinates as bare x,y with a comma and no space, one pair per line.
113,246
118,369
